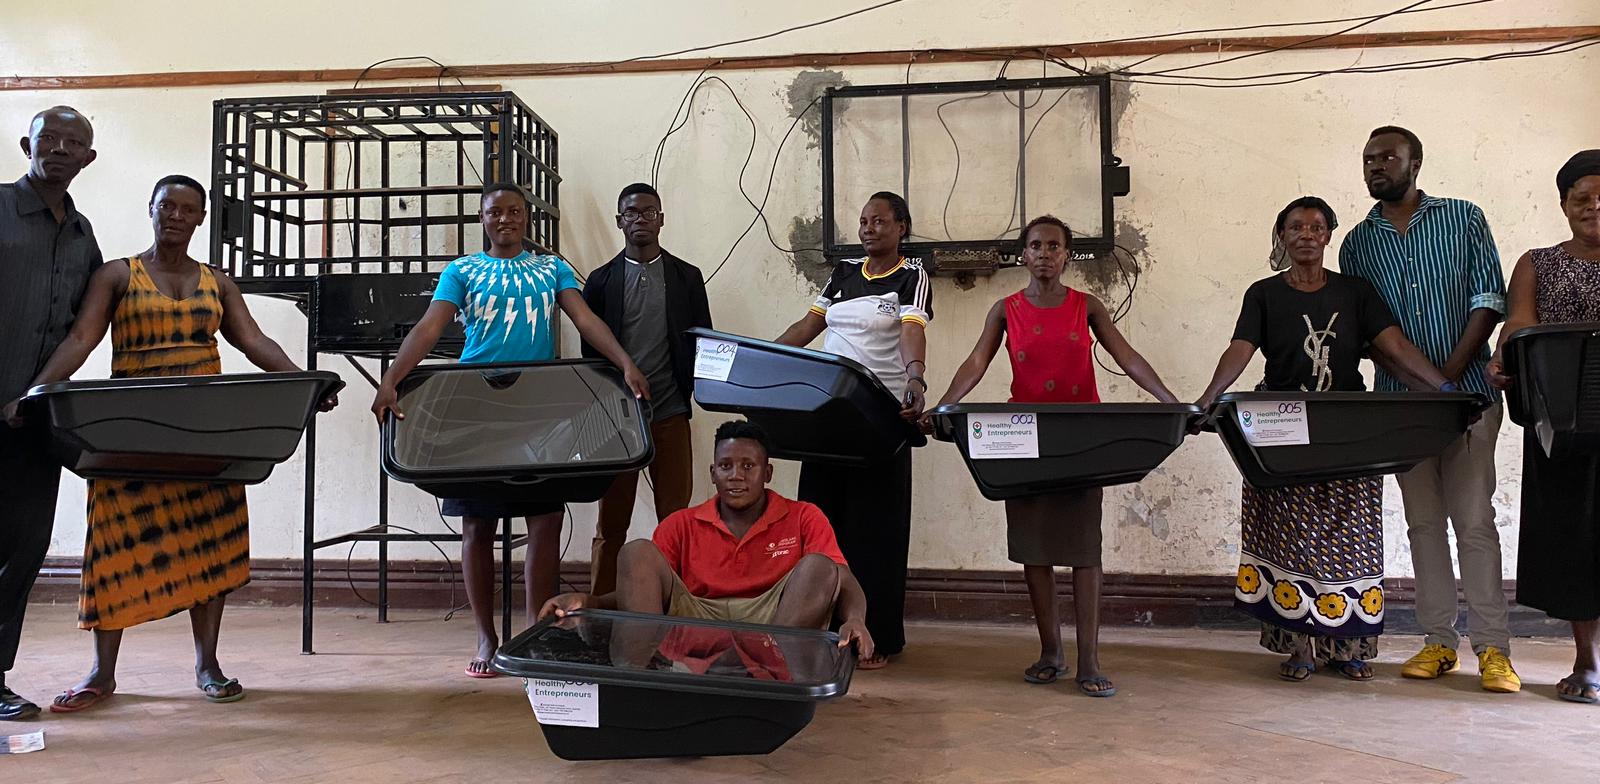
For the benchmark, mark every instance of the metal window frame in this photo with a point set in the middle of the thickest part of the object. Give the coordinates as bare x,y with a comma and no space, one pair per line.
1113,178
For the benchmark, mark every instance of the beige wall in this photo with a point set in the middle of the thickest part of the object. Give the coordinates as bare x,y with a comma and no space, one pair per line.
1210,168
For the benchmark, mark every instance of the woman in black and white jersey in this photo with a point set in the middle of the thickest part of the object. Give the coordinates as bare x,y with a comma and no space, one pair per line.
874,311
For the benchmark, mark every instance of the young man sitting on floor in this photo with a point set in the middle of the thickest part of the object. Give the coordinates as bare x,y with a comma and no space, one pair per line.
747,555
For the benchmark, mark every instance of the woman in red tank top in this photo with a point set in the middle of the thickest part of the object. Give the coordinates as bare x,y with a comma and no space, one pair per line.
1049,332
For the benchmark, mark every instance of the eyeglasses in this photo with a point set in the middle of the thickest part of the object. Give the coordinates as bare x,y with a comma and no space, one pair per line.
633,216
1314,229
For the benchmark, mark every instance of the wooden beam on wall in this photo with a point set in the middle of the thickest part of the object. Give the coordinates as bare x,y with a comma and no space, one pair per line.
1092,50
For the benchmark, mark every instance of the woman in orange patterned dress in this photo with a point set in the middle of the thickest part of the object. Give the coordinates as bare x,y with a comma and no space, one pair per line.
158,548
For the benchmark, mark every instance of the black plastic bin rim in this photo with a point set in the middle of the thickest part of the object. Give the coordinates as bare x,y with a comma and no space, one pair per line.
720,685
1553,328
1355,397
512,473
804,353
328,378
1074,409
1067,408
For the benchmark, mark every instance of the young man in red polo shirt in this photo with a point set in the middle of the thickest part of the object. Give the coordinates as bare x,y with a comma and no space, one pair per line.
747,555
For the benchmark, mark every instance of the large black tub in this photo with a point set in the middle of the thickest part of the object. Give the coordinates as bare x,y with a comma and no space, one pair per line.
1557,392
674,687
814,406
1344,435
546,432
1074,446
221,428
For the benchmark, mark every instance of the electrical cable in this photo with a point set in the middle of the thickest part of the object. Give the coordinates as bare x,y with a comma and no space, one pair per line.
1270,26
1374,19
1558,48
761,208
751,39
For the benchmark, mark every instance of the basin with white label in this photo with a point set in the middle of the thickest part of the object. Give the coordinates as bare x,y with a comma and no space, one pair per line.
815,406
616,685
1015,450
1290,438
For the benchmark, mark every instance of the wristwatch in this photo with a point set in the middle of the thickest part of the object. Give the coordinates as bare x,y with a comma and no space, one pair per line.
1448,387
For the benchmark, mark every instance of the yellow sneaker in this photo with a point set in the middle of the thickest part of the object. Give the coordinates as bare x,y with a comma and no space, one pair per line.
1432,662
1494,668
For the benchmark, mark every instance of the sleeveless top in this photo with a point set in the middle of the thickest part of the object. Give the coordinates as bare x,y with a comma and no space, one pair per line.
153,334
1050,350
1566,288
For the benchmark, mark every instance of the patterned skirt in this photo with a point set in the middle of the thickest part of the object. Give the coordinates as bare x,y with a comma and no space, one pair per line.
158,548
1311,559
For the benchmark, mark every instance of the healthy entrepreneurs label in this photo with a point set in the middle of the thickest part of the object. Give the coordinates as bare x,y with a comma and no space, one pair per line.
1274,422
996,436
713,359
564,703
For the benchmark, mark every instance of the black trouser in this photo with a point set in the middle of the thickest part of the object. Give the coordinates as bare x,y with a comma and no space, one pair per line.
28,483
870,509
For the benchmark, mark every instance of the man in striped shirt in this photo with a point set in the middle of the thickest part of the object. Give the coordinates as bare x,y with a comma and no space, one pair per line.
1435,263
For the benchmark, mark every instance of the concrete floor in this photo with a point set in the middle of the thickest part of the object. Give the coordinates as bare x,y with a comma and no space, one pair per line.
389,704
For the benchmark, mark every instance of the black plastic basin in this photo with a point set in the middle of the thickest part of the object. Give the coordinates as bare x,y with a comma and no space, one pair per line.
814,406
1081,445
547,432
677,687
1557,391
1351,434
220,428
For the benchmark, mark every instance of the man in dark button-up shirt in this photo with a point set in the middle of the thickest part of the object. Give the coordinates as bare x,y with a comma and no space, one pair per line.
47,253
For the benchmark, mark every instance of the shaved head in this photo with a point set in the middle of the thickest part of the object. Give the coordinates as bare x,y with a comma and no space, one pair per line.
65,114
60,142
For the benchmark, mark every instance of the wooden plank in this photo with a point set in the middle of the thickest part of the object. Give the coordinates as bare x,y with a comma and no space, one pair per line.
1089,50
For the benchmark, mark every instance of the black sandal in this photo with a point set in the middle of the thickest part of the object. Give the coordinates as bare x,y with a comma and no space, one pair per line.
1583,691
1043,673
1107,689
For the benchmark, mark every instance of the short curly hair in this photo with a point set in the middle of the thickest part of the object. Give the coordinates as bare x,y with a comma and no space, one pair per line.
743,428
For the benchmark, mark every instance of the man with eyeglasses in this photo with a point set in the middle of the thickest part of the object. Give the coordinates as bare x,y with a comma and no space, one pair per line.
1435,263
47,253
649,298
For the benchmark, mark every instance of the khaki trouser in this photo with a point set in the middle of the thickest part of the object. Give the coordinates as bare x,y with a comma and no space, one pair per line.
672,477
1458,485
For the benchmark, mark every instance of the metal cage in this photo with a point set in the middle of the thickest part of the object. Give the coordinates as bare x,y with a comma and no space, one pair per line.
312,185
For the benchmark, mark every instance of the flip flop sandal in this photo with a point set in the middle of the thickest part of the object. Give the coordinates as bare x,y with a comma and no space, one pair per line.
1353,669
1296,671
1045,673
213,688
877,662
1105,690
479,668
60,705
1582,686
